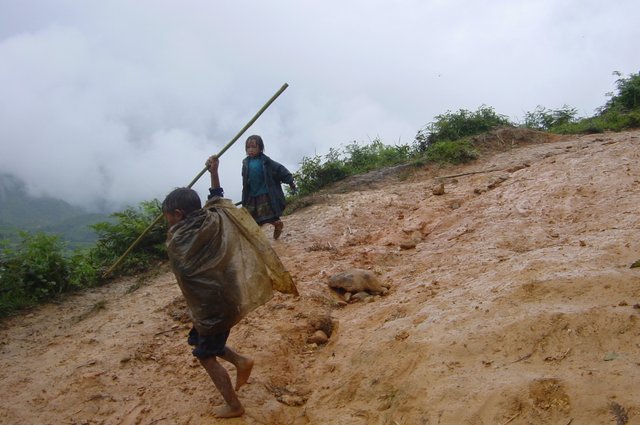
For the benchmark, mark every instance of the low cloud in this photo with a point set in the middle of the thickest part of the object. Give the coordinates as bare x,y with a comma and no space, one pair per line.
105,105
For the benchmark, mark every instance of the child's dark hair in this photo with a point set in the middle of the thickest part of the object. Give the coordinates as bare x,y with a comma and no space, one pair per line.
256,139
182,198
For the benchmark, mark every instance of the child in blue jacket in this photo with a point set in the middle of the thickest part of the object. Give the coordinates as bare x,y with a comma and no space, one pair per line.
262,178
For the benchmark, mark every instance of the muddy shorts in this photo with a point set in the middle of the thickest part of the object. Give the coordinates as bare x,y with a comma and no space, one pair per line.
208,345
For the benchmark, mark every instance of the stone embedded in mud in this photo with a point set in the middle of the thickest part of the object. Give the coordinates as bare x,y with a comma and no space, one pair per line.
438,189
360,296
358,280
291,400
407,245
318,337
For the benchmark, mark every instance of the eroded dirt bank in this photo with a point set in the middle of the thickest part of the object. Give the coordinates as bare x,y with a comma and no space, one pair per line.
511,301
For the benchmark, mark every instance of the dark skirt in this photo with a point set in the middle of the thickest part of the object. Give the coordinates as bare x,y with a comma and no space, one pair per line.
260,209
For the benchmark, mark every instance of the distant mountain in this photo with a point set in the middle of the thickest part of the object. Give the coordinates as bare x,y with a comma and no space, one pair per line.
19,211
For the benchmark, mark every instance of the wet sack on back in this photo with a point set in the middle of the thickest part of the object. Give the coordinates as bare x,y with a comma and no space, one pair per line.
224,265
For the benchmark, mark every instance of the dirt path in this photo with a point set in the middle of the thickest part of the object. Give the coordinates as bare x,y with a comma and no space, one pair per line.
511,302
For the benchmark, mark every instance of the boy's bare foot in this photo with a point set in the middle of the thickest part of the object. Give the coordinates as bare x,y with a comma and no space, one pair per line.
243,370
277,229
228,412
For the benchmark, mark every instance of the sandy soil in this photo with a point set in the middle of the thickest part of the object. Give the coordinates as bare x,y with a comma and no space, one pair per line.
512,301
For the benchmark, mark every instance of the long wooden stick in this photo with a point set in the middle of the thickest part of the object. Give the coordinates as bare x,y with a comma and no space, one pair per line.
195,179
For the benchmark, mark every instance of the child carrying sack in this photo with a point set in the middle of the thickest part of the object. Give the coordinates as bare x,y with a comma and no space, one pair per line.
224,265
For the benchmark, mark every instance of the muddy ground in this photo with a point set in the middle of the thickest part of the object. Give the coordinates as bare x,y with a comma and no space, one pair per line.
511,301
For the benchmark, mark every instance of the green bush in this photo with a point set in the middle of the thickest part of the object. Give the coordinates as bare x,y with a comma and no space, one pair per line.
459,125
114,238
452,152
611,120
33,270
628,97
315,173
363,158
544,119
621,112
40,267
355,158
84,272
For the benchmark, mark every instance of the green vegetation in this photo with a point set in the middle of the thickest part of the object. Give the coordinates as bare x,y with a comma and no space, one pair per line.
354,159
621,112
39,267
605,121
544,119
446,140
33,271
115,238
451,152
453,126
628,97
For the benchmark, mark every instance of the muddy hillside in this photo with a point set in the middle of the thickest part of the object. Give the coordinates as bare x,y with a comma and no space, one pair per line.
502,293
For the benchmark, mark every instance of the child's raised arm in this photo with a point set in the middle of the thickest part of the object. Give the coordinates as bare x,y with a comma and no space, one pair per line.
212,164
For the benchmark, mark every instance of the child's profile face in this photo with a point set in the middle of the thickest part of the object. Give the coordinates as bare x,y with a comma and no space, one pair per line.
252,148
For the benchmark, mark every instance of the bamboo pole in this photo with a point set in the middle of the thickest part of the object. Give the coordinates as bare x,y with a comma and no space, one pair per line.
196,178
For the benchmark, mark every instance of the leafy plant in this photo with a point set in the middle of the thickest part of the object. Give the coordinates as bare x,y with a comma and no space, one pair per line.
628,97
114,238
452,152
459,125
313,174
355,158
611,120
83,272
545,119
40,267
621,112
362,158
34,270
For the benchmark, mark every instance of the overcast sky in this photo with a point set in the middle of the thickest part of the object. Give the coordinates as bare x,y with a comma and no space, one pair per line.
108,103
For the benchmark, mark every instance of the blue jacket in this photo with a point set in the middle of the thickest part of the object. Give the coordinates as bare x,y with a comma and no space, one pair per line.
275,174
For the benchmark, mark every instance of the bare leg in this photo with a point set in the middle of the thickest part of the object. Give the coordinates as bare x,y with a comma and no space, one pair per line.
277,228
221,380
243,366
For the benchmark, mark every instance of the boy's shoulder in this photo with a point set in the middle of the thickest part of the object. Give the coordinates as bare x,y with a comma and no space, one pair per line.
218,202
